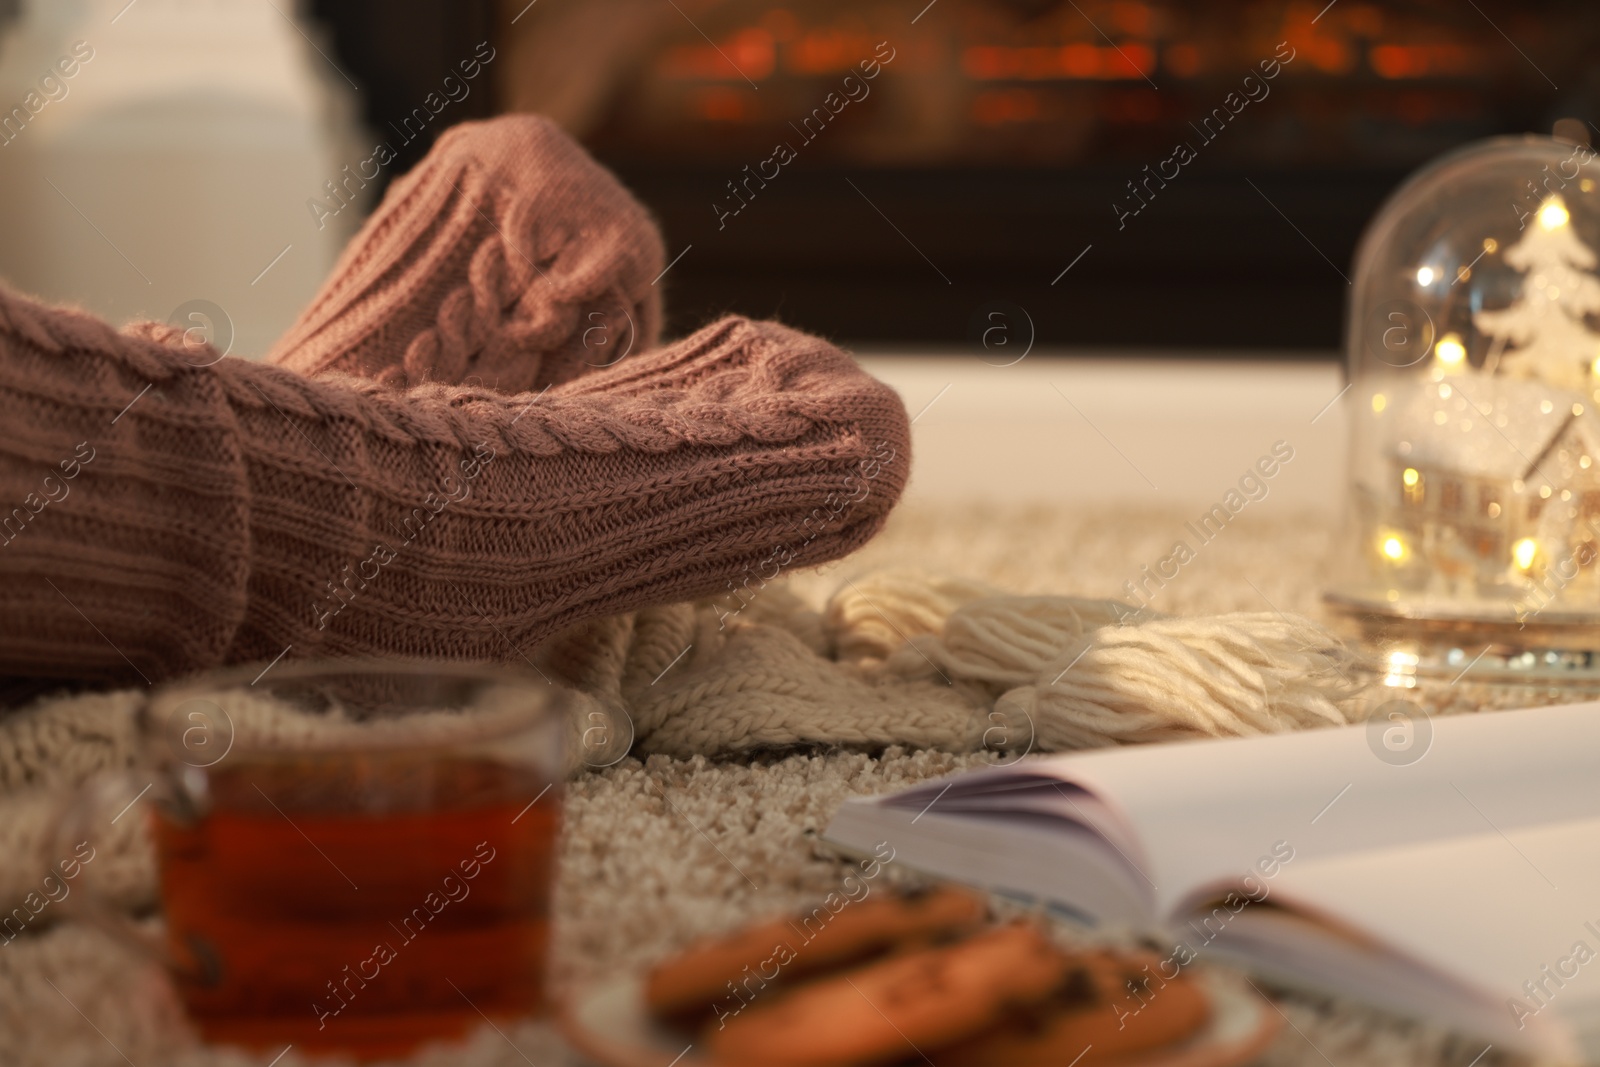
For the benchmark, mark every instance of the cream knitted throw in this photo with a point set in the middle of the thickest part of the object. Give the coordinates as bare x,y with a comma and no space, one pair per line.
659,852
904,658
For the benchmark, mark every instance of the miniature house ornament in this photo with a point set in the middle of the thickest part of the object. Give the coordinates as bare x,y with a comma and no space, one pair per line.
1472,534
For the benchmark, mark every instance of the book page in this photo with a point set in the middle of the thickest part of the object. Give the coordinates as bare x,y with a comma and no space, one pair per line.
1514,916
1065,864
1208,814
1006,794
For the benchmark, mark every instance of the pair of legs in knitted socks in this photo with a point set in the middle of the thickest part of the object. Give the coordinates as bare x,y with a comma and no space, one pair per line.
448,456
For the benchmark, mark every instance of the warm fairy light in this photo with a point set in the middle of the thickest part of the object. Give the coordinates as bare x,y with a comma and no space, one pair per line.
1424,275
1490,245
1594,369
1393,548
1379,401
1450,351
1410,476
1522,553
1402,664
1553,214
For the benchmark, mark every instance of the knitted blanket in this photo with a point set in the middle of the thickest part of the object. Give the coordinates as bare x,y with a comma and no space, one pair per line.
749,719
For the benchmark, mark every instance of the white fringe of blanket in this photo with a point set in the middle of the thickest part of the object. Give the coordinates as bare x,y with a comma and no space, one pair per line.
901,658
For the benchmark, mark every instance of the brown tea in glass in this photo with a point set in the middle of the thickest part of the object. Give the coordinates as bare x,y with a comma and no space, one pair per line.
355,858
296,915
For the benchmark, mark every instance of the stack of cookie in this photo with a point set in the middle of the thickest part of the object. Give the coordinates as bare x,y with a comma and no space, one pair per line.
914,977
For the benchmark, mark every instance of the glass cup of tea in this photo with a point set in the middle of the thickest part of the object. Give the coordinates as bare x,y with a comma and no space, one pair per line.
352,857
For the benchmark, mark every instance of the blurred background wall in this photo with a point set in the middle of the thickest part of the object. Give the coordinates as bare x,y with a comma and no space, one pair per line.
1019,155
155,159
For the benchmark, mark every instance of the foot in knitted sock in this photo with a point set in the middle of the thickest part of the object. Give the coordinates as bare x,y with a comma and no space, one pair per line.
507,256
238,511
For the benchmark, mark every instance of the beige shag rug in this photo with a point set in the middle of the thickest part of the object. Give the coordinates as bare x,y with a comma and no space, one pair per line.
661,850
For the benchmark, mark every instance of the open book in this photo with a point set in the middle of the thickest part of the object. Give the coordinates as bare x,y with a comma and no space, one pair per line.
1463,887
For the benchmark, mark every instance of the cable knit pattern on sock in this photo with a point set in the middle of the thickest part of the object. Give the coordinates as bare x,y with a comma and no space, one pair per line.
508,256
233,511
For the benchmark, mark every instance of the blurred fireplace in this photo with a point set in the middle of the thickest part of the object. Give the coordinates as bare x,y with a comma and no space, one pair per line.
971,151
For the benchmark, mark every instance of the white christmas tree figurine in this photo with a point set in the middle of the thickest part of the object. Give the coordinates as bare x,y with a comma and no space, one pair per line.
1544,328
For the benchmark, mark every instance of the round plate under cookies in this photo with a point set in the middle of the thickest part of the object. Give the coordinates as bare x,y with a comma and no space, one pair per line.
608,1023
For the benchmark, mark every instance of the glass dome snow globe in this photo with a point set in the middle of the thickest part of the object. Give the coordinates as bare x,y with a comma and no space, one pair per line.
1472,533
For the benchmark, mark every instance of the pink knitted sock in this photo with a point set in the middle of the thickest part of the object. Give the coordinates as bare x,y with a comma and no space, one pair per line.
157,517
507,257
